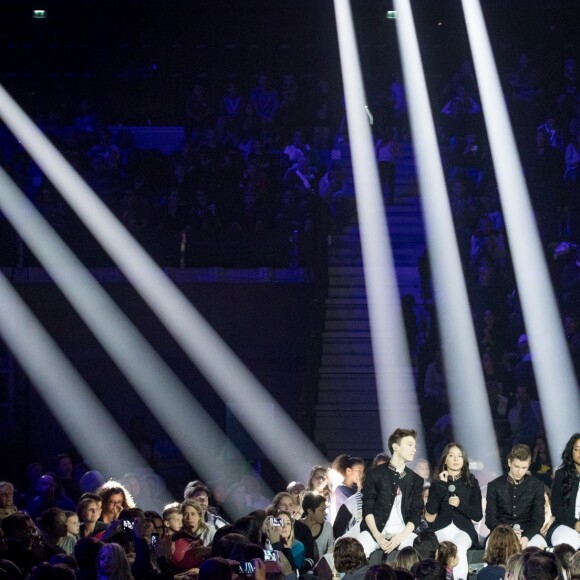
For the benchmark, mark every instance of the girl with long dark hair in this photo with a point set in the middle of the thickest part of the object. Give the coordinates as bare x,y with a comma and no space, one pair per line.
454,501
565,497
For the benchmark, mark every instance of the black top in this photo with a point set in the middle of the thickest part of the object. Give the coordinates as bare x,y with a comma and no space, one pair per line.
469,507
564,515
380,490
516,503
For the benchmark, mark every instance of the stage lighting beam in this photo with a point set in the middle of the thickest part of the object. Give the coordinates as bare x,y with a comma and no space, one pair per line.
394,375
555,378
206,349
471,415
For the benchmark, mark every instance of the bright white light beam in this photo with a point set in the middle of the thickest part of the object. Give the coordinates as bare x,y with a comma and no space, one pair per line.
472,421
193,430
394,375
80,413
557,386
206,349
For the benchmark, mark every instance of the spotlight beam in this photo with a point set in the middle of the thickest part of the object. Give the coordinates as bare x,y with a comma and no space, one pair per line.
80,413
557,386
468,399
222,368
174,406
394,374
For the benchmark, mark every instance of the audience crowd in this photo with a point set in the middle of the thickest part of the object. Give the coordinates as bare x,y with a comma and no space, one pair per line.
71,523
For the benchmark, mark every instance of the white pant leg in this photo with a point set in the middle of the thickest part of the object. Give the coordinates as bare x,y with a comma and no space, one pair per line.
369,545
452,533
538,541
408,541
566,535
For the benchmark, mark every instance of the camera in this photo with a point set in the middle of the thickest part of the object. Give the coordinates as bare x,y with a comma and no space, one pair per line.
269,555
154,538
128,525
277,522
246,568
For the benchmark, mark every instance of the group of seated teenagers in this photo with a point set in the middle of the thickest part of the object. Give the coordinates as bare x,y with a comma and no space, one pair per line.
342,523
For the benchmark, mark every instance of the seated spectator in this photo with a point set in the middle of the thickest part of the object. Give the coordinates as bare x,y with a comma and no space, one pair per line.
298,148
426,544
215,569
86,553
23,541
430,569
289,110
115,498
300,178
50,494
106,150
319,482
7,506
265,101
338,196
542,566
172,518
350,559
487,245
288,539
72,532
407,558
541,466
53,526
112,563
525,417
314,507
352,470
89,511
447,555
64,470
194,523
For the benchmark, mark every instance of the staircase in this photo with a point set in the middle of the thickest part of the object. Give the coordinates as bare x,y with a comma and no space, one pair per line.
347,418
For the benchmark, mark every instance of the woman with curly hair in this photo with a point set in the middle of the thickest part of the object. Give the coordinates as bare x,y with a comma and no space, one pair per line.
115,498
350,559
565,497
454,501
501,544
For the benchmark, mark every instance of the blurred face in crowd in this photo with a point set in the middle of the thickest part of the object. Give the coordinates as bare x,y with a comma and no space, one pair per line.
201,498
286,504
92,512
356,473
6,496
319,514
65,468
47,485
73,525
423,469
115,503
174,522
319,480
59,527
191,518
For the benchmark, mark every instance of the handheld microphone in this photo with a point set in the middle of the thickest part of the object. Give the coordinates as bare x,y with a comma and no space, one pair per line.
451,489
516,527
